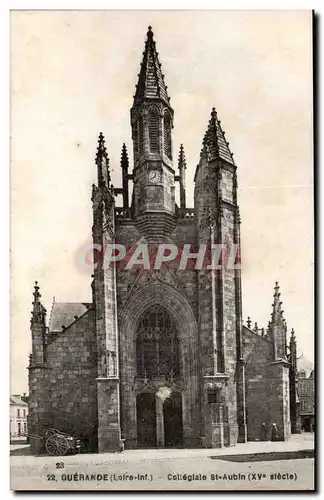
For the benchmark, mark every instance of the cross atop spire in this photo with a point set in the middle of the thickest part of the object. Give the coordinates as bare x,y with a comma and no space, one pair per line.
215,140
102,162
151,79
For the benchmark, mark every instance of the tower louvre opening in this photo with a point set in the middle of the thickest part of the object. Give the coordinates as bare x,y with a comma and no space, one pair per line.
167,135
153,124
140,135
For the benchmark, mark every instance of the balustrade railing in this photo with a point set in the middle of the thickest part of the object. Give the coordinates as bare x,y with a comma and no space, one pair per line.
185,213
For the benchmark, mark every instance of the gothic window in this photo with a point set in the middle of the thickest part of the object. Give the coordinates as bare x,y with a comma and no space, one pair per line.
140,134
153,124
157,345
167,135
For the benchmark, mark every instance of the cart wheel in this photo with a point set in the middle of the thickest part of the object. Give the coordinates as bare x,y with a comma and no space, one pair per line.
56,444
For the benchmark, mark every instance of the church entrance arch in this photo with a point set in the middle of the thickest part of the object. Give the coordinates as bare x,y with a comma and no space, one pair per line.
159,413
158,351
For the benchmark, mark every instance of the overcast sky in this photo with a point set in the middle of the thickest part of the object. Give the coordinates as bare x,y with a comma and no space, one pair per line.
73,74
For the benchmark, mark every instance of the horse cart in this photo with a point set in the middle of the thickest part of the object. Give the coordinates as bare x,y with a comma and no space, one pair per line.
60,443
57,443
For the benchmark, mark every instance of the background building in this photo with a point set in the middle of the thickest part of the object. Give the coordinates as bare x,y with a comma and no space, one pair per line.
306,392
18,417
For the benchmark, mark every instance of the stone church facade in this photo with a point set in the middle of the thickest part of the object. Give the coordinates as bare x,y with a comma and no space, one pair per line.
161,357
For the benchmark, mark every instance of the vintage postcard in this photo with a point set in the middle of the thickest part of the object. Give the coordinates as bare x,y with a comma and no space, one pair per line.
162,250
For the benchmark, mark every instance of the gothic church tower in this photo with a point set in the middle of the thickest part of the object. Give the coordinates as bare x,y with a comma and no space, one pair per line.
160,357
152,122
220,301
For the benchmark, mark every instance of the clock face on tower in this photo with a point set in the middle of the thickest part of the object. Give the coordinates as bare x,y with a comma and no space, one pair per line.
154,176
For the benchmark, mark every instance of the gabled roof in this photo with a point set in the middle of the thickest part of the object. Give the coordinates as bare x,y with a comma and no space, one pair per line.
17,401
151,80
64,313
215,141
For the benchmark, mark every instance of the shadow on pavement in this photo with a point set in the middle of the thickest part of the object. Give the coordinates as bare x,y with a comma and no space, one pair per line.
21,452
264,457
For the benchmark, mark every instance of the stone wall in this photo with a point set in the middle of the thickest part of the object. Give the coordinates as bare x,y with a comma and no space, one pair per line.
267,388
257,356
229,323
37,419
278,394
71,372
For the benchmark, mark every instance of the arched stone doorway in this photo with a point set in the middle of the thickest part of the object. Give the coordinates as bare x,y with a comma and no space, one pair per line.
159,412
178,374
159,421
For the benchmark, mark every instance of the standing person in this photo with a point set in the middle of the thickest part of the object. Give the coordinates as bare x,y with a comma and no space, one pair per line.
274,432
264,432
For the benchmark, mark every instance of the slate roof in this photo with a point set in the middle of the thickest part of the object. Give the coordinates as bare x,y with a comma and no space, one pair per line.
16,401
215,140
63,313
151,80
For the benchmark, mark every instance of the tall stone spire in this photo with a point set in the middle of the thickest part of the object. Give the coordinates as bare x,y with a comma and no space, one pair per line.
278,327
151,83
220,313
182,165
102,162
152,124
215,142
